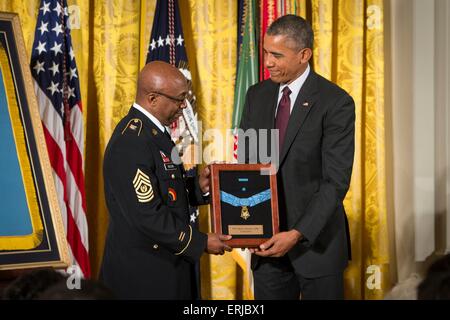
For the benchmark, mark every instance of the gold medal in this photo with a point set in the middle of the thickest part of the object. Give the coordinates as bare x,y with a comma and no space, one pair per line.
244,213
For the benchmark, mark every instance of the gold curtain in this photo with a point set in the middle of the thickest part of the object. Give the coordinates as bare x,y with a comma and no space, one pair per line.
349,51
110,40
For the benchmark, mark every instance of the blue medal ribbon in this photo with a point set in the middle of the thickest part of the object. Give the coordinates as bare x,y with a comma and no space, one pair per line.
248,202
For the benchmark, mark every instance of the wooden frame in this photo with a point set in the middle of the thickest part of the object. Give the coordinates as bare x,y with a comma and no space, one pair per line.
259,219
31,228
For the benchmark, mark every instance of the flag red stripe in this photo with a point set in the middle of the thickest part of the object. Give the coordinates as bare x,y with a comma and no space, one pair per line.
75,162
56,157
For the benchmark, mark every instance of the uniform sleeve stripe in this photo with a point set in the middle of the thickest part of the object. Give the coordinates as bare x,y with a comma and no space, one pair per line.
189,241
140,176
144,194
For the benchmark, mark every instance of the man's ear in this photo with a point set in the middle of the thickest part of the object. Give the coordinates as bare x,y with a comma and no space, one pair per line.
151,98
306,55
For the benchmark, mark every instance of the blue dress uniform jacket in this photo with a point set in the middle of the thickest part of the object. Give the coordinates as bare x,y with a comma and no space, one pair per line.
150,247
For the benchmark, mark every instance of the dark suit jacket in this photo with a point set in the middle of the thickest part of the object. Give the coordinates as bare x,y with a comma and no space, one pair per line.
150,247
315,166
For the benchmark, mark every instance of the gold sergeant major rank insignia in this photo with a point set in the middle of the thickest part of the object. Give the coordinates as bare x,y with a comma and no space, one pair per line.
143,187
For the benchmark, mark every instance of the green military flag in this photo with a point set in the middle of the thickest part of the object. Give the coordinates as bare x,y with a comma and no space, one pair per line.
247,72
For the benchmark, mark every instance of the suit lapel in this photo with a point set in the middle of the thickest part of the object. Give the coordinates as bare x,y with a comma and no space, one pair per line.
273,111
267,119
303,105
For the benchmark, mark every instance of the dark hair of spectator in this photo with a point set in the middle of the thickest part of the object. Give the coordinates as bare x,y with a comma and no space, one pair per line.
30,284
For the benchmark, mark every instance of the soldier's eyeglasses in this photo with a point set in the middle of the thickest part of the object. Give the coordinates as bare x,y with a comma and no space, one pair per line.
178,101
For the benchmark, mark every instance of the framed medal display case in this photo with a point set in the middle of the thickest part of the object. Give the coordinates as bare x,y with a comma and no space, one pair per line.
244,203
31,227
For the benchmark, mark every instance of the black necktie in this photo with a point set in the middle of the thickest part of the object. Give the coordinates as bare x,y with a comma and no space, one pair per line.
167,134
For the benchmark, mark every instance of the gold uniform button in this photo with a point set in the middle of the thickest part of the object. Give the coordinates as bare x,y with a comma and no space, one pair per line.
155,246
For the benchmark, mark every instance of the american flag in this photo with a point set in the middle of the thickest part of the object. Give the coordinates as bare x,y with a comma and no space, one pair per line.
167,44
57,89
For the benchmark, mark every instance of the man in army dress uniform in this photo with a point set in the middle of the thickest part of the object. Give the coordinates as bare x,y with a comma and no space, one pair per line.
150,247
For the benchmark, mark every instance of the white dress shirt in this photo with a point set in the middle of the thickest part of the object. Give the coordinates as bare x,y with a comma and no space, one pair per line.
295,87
151,117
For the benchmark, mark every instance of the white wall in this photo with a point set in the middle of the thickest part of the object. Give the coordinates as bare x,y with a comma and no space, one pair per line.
442,95
419,131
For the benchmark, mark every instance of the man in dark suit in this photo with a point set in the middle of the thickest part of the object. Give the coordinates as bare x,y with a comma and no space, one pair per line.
151,248
316,120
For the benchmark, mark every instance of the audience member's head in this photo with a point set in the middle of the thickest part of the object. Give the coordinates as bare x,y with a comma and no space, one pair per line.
88,290
436,285
30,284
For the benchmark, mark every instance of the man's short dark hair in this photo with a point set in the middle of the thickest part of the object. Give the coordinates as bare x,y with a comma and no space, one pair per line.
32,283
295,28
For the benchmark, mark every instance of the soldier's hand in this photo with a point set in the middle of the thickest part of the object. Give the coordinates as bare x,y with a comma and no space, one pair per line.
203,179
216,244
